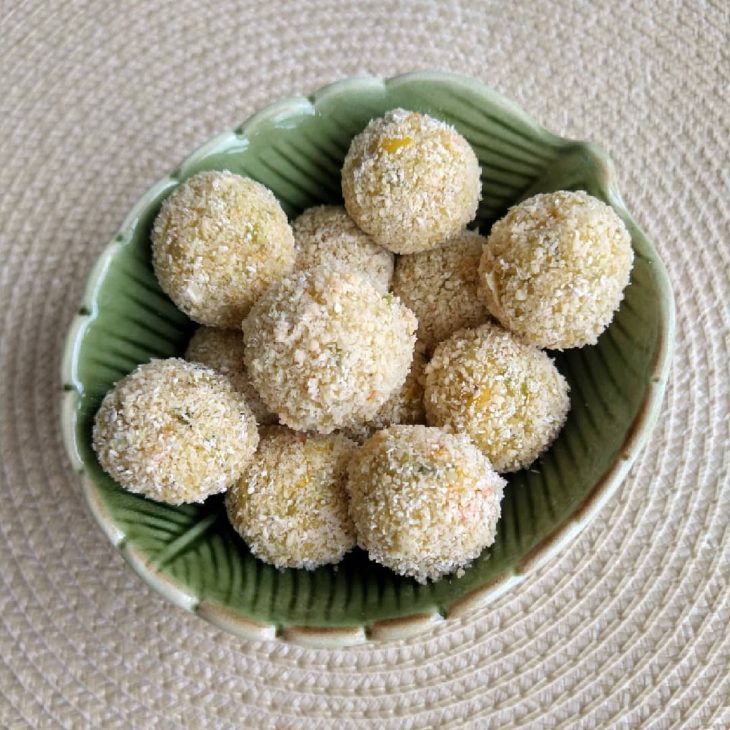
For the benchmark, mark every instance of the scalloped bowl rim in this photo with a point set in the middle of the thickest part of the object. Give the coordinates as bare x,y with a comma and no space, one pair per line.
405,626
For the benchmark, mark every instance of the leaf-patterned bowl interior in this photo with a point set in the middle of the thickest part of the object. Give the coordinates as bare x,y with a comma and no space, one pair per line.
296,148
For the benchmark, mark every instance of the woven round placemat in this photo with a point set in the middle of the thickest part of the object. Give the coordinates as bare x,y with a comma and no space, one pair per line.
626,628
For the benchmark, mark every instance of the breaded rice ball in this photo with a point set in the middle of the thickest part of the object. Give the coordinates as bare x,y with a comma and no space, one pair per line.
222,350
174,431
441,287
507,396
405,406
425,503
555,267
410,181
326,234
218,242
325,350
290,505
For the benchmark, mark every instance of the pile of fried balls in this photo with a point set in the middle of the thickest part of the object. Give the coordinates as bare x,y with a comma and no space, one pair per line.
365,374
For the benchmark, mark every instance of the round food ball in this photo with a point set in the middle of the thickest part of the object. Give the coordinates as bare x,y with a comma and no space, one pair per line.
555,267
441,287
174,431
218,242
222,350
410,181
290,504
507,396
326,235
424,502
325,350
405,406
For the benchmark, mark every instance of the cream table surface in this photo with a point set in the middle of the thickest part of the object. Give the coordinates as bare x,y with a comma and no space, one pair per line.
628,628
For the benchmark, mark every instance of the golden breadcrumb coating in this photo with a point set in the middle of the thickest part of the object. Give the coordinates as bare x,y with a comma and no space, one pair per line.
410,181
425,503
222,350
326,234
174,431
441,287
325,350
218,242
290,505
507,396
405,406
554,269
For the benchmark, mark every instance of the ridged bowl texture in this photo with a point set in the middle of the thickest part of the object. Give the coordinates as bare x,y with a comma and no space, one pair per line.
296,148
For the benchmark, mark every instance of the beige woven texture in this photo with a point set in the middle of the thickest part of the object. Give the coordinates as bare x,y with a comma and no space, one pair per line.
627,628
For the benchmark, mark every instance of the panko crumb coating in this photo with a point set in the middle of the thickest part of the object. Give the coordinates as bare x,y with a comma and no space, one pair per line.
326,234
405,406
325,350
507,396
290,505
410,181
554,269
218,242
441,287
174,431
425,503
222,350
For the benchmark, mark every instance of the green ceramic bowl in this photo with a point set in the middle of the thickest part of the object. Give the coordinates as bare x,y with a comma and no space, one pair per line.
296,148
